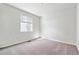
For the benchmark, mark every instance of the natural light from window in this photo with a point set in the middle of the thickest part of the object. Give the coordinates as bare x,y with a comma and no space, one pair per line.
26,24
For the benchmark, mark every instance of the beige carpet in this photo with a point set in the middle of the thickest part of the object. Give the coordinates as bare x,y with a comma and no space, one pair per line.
40,47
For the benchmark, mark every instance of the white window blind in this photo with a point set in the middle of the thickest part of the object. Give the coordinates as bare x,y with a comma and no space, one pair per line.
26,24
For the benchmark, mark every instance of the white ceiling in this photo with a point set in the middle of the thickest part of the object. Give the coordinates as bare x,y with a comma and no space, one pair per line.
42,8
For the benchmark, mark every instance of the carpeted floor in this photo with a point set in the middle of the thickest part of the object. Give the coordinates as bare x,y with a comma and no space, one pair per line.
40,47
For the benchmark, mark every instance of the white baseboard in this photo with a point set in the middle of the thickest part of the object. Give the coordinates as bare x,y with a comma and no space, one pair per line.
60,41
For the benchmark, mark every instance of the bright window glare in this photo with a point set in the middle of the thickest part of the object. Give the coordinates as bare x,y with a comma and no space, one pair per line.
26,24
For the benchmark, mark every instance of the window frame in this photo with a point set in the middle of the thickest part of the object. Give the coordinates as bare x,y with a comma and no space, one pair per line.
25,20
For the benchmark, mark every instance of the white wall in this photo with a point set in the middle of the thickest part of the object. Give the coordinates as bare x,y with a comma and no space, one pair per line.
77,26
61,26
10,26
58,20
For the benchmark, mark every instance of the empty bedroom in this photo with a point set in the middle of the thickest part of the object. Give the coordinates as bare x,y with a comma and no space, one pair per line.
39,29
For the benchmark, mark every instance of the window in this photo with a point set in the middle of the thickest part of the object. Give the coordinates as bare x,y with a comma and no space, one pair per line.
26,24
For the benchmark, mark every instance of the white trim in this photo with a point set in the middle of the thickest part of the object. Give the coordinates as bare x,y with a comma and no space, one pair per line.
60,41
